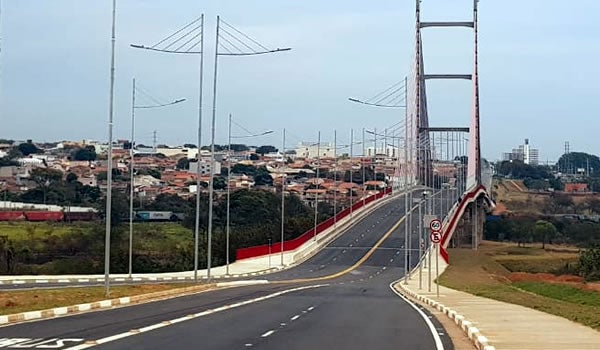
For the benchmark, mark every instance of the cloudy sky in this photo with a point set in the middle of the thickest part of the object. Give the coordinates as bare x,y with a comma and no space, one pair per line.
538,70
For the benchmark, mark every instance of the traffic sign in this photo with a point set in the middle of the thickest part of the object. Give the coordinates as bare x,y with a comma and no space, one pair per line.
435,225
436,237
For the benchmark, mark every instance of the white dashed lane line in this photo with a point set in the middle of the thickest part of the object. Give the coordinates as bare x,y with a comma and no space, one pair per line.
266,334
294,318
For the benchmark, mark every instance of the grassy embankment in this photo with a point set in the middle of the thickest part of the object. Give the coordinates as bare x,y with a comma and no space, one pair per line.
513,274
12,302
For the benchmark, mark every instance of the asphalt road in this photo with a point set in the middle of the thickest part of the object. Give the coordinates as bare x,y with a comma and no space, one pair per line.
352,310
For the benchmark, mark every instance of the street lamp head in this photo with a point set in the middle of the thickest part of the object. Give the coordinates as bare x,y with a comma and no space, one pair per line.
354,100
267,132
179,100
137,46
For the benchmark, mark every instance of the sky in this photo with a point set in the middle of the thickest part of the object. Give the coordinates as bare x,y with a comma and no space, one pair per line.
538,70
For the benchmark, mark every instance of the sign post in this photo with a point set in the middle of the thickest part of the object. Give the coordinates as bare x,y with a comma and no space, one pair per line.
435,238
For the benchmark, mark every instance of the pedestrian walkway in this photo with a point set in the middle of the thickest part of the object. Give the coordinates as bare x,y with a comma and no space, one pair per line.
506,326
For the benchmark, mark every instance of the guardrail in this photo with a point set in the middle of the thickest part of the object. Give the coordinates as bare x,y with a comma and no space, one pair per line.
292,244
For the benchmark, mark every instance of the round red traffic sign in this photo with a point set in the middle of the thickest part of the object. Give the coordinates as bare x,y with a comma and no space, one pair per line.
435,225
436,237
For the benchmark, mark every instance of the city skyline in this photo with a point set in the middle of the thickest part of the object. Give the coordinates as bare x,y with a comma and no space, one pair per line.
45,65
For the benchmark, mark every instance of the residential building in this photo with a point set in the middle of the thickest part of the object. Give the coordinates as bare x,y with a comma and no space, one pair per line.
204,167
312,150
388,151
524,153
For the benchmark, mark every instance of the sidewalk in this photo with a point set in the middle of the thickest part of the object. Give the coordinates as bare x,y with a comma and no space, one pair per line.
241,268
493,324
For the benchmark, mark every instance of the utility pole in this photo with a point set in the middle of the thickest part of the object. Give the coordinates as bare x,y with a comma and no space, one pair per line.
154,141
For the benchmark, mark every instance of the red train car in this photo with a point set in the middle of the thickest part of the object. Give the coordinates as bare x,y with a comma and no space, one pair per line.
36,216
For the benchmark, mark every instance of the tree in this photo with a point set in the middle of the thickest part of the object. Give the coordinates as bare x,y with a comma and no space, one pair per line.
262,179
45,178
28,148
239,147
170,202
189,145
119,209
574,160
219,183
262,150
589,263
6,161
183,164
86,153
71,177
249,170
593,205
254,156
544,231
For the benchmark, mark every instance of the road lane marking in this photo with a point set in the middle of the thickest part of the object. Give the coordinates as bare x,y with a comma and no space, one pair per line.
266,334
357,264
311,308
436,337
190,317
295,317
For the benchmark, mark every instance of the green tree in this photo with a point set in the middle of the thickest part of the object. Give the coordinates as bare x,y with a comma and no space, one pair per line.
249,170
28,148
262,150
86,153
575,160
119,209
170,202
254,156
589,263
544,231
183,164
45,178
71,177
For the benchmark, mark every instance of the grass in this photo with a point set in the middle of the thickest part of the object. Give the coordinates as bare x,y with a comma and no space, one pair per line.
482,273
40,299
561,292
23,231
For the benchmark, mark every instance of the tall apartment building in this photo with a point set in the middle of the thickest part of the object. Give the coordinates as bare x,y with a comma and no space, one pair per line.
524,153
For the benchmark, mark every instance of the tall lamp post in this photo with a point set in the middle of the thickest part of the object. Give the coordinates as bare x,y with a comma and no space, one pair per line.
131,165
110,156
229,182
226,48
191,38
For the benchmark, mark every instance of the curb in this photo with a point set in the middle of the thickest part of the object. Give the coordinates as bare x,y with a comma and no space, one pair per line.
110,303
6,320
49,281
480,341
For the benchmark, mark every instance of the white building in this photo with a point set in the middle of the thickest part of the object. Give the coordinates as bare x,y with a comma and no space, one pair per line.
389,151
524,153
204,167
312,150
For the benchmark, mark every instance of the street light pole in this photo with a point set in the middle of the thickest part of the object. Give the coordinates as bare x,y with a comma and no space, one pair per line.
363,167
212,154
110,157
351,169
317,184
228,194
131,181
283,183
199,155
335,179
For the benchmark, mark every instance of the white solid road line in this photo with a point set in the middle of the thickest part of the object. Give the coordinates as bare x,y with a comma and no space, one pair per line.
436,337
167,323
